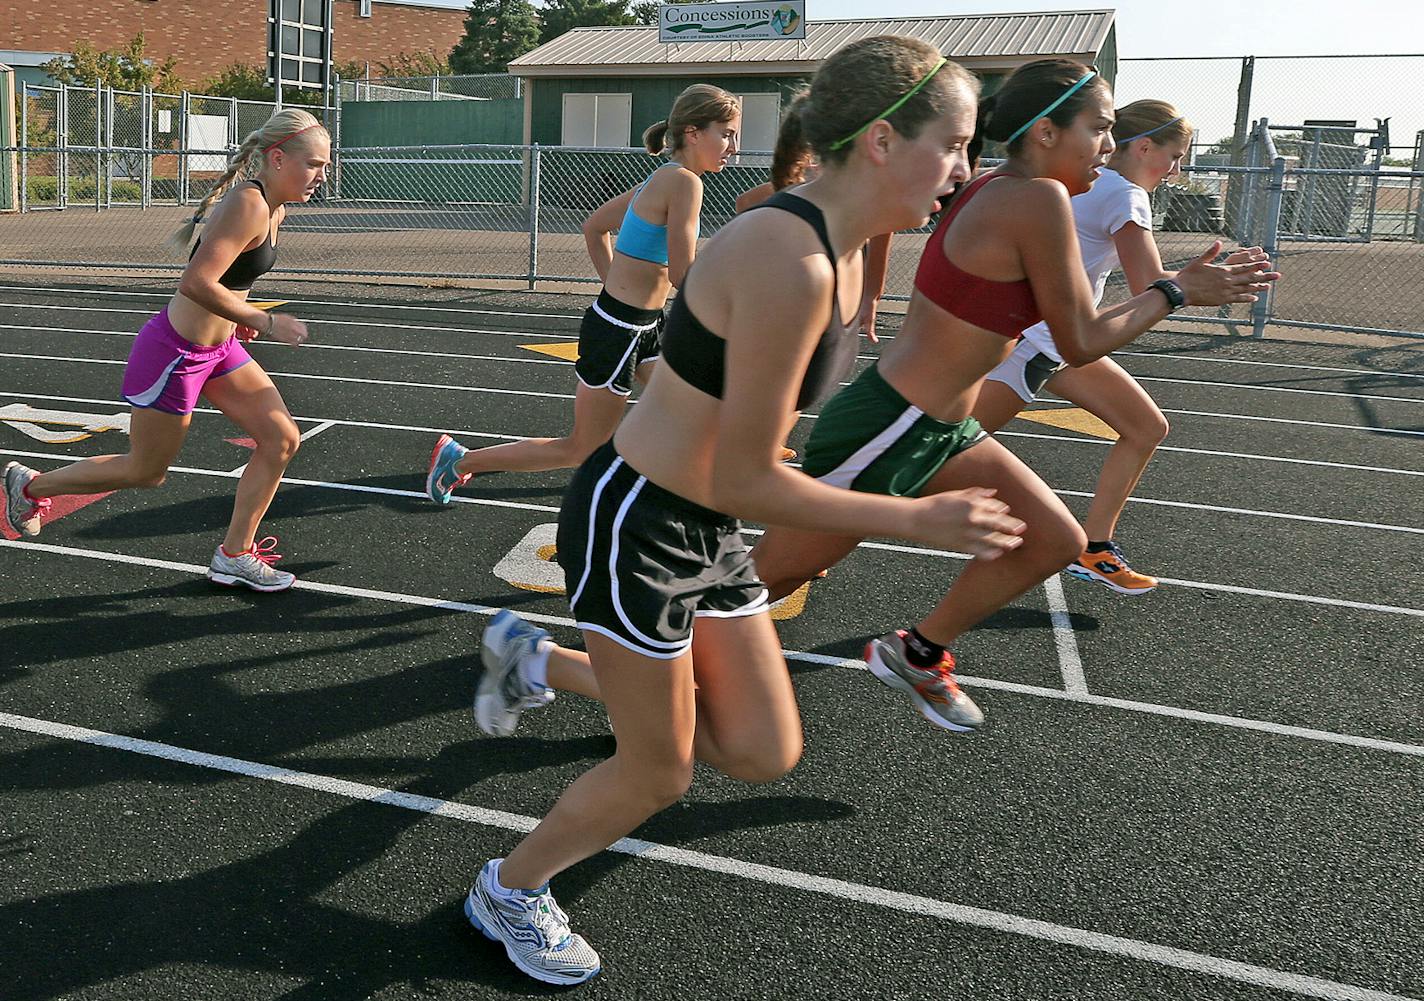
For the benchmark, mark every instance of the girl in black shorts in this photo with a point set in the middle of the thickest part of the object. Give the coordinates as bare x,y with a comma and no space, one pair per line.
681,649
657,224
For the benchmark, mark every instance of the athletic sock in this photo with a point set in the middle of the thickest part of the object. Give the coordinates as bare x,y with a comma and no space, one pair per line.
922,652
511,892
233,556
1099,547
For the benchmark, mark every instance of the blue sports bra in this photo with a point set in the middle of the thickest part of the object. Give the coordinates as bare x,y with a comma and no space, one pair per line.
641,239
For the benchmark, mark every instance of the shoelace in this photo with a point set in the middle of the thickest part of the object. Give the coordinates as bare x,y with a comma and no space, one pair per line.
1117,555
38,506
551,920
263,551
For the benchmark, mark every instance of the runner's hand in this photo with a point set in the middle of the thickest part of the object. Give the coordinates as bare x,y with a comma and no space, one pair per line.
1245,255
865,319
1207,284
246,334
971,521
287,329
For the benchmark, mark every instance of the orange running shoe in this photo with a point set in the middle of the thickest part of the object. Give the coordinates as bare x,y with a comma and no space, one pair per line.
788,454
1110,569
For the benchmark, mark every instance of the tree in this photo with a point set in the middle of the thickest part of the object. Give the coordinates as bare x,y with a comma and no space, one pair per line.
646,11
239,80
126,69
560,16
496,31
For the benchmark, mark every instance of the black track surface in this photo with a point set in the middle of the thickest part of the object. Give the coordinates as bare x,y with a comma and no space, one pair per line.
1122,813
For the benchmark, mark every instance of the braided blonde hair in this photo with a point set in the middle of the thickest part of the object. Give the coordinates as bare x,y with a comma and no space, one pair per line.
249,159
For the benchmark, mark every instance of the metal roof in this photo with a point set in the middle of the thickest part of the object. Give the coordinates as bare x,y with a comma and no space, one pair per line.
977,40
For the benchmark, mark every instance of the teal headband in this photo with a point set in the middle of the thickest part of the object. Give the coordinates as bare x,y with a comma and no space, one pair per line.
1144,135
893,108
1051,108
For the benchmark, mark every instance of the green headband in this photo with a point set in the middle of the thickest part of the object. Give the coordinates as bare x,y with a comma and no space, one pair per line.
893,108
1051,108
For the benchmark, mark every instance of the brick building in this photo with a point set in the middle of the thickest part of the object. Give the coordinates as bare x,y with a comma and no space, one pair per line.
207,35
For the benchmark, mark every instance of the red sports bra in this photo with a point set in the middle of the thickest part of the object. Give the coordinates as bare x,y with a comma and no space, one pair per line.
1006,308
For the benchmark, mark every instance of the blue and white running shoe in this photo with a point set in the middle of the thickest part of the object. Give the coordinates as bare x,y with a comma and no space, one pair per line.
533,929
504,691
441,480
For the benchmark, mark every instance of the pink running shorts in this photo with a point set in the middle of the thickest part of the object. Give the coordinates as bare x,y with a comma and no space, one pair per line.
168,372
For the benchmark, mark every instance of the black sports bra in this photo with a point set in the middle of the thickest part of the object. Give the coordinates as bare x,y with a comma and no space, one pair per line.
699,356
250,265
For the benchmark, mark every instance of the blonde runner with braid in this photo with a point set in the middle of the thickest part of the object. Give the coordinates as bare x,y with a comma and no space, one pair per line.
195,346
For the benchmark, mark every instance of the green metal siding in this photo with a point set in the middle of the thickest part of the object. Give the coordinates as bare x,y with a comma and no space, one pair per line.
498,178
652,98
431,123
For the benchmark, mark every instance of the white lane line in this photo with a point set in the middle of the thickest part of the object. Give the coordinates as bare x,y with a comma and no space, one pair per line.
317,346
1296,423
573,333
1275,515
305,435
909,903
804,416
1220,454
865,544
1279,389
1069,660
1256,514
328,378
396,597
311,433
1271,364
383,325
353,304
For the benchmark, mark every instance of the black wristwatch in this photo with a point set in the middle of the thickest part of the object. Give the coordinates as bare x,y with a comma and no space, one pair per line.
1176,298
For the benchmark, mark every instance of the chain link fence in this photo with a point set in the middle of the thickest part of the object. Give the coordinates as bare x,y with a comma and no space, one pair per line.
1340,217
472,87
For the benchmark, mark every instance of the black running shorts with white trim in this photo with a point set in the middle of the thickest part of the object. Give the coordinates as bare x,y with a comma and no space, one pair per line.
614,339
642,563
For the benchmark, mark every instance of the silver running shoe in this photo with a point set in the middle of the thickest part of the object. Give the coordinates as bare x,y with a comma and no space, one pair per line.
22,514
251,569
503,694
533,929
932,689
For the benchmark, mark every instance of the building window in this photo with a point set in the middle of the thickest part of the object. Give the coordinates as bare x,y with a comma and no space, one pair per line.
301,29
365,8
602,120
761,120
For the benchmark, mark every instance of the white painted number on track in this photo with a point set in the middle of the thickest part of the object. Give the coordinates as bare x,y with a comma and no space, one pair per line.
27,420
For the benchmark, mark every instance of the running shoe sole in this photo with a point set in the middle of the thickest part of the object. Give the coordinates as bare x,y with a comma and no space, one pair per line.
231,580
1078,573
542,976
878,668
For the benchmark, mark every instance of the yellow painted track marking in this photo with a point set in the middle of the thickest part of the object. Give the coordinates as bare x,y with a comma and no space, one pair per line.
1071,419
567,350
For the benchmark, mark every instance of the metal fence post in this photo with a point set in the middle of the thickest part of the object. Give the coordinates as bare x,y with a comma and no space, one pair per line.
145,133
24,148
109,146
534,217
61,138
183,149
1261,308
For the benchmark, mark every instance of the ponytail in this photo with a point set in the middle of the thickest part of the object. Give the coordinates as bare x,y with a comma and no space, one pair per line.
788,160
292,124
240,162
654,137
